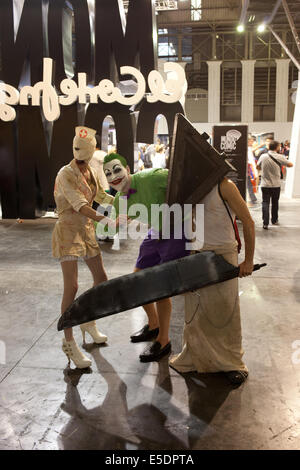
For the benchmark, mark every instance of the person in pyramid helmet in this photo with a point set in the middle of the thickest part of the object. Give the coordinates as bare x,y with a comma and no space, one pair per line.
221,343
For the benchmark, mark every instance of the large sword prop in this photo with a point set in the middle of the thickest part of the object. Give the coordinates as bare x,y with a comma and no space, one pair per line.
149,285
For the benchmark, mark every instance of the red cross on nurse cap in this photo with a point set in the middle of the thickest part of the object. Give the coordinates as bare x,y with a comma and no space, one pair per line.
84,132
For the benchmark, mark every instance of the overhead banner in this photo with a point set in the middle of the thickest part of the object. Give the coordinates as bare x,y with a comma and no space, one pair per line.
233,142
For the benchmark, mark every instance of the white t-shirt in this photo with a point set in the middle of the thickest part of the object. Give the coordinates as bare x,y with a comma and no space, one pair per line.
270,171
218,229
159,160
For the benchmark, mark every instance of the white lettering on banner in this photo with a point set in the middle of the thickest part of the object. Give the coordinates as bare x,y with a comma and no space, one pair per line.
50,103
170,91
228,141
8,96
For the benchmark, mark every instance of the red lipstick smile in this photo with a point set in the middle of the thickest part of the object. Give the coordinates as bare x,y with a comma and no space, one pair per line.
117,181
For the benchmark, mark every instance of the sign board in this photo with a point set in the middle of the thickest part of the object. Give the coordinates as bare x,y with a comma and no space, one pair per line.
232,140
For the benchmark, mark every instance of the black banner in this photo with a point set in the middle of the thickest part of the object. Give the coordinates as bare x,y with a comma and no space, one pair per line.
32,150
233,142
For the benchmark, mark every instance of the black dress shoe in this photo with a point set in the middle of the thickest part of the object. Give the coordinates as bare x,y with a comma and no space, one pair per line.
154,352
236,377
144,334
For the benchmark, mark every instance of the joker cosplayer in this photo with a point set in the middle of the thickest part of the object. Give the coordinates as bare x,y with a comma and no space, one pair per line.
147,188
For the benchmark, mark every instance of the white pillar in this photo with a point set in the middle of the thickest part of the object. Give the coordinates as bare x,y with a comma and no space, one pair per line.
282,89
214,90
292,185
248,90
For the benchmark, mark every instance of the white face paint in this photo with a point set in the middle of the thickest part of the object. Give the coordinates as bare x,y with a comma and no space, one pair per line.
116,175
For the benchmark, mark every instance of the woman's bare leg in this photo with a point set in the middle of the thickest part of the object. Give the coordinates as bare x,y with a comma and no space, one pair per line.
96,267
70,277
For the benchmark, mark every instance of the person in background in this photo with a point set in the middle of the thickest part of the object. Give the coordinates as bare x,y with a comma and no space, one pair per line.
252,172
148,154
167,155
159,159
263,148
270,164
142,149
286,152
286,148
141,158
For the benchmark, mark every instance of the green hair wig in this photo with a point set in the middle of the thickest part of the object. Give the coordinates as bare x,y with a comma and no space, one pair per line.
115,156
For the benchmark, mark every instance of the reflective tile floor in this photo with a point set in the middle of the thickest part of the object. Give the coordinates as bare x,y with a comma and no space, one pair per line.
122,403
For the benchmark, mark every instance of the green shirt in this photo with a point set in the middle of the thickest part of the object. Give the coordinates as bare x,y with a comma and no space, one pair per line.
151,188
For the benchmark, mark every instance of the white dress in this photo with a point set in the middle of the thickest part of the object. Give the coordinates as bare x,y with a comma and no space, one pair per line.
212,338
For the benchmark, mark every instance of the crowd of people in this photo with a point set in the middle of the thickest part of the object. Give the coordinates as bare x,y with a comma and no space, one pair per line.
267,163
153,156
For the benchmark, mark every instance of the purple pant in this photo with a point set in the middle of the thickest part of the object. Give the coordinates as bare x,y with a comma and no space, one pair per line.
154,252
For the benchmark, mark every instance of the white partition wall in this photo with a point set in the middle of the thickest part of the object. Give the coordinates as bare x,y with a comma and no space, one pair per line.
292,187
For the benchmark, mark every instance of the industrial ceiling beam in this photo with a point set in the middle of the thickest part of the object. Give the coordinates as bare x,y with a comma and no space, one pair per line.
245,6
291,23
284,47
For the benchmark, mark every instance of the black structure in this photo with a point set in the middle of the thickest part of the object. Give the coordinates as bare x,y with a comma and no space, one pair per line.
149,285
195,166
32,150
233,142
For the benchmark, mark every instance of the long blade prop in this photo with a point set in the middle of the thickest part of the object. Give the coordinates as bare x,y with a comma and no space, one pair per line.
149,285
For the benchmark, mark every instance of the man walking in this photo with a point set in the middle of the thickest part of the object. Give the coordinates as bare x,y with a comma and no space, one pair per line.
270,164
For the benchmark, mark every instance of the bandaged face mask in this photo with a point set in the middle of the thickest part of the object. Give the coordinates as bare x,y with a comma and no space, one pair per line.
84,144
117,176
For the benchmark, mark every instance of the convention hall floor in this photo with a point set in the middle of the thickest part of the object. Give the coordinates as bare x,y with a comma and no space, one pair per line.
125,404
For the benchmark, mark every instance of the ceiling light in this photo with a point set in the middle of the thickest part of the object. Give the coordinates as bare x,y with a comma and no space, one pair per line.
261,28
240,28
